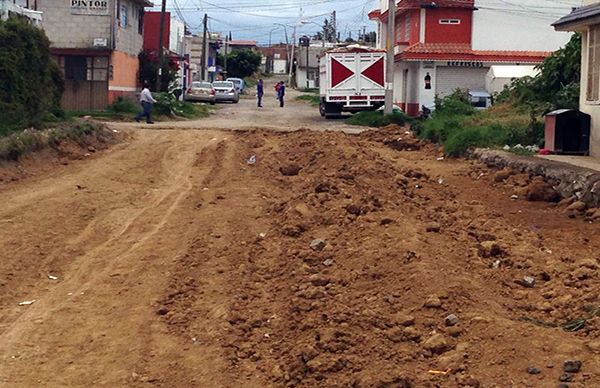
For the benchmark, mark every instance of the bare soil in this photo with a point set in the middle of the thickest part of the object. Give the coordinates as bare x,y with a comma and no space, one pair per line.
178,264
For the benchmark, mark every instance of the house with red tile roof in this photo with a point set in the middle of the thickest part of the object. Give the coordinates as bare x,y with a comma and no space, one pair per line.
444,45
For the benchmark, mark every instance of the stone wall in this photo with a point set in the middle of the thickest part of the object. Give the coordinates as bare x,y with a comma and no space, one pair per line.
567,180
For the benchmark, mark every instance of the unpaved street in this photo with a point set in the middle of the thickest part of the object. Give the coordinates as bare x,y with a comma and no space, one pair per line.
175,263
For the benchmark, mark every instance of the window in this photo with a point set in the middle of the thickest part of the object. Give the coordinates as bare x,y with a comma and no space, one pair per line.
124,17
593,72
449,21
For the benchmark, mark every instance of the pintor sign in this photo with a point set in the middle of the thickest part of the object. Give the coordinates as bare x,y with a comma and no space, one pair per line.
89,7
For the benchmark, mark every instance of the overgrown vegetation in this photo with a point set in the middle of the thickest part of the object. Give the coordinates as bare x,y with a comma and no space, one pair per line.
459,126
31,83
167,107
149,65
556,86
517,117
378,119
14,146
312,99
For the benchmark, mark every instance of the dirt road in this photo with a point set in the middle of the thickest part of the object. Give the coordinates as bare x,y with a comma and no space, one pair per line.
175,263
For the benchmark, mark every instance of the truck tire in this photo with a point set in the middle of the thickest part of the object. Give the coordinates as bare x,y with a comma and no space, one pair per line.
332,110
322,108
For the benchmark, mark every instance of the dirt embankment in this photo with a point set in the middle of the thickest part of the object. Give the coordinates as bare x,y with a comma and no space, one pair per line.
31,153
354,264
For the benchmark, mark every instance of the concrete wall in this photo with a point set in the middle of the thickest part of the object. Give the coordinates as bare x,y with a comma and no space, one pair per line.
498,26
65,29
176,36
124,81
129,40
587,107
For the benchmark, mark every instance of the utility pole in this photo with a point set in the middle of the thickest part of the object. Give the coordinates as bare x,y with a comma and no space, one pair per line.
225,56
204,47
390,40
161,33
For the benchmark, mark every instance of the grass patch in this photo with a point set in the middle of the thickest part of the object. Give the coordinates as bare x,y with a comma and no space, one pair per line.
309,90
459,127
166,108
378,119
14,146
312,99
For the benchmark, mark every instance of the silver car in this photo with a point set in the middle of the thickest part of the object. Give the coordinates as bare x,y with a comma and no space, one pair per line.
202,92
225,91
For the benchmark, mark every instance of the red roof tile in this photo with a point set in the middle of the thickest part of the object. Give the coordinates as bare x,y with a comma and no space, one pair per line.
460,51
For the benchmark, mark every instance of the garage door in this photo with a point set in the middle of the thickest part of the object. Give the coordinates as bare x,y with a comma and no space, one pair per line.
448,79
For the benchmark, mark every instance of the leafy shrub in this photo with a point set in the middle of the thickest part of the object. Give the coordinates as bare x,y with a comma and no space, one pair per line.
556,86
31,83
378,119
123,105
168,105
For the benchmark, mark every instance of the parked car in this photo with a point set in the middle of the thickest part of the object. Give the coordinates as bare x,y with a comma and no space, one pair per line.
201,91
239,83
226,91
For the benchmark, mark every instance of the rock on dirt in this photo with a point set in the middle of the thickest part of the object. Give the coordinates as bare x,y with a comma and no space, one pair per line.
318,245
540,191
527,282
572,366
577,206
490,249
433,302
451,320
434,227
532,370
290,170
437,344
503,175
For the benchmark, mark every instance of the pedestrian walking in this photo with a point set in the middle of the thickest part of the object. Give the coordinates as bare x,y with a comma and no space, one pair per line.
281,94
260,91
147,101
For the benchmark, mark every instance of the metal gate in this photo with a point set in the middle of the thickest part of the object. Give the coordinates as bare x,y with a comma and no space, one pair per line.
86,82
448,79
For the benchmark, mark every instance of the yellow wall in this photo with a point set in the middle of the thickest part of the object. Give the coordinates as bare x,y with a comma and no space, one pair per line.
124,80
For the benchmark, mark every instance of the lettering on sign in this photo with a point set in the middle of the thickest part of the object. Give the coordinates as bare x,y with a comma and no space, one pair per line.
465,64
89,7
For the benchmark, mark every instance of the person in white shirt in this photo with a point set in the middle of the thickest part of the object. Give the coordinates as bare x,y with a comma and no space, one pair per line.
147,101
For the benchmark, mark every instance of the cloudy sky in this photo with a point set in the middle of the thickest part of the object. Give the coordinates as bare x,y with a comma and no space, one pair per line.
255,19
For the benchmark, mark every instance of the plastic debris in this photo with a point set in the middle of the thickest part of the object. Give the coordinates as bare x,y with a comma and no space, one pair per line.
262,235
438,372
51,277
27,303
440,181
115,131
251,160
514,197
440,158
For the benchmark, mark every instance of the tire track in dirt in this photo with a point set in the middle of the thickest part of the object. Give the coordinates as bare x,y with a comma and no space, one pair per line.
85,304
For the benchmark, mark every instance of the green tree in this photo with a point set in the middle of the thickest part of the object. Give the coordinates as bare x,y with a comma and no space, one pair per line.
241,63
149,70
557,84
31,83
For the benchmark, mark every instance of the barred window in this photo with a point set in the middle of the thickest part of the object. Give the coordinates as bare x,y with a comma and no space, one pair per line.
593,72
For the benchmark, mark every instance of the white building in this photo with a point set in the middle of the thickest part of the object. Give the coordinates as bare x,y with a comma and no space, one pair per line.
443,45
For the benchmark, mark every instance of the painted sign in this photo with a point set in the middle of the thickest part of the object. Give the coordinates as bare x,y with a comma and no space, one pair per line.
465,64
89,7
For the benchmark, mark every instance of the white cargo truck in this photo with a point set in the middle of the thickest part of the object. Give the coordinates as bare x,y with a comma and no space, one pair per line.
352,79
